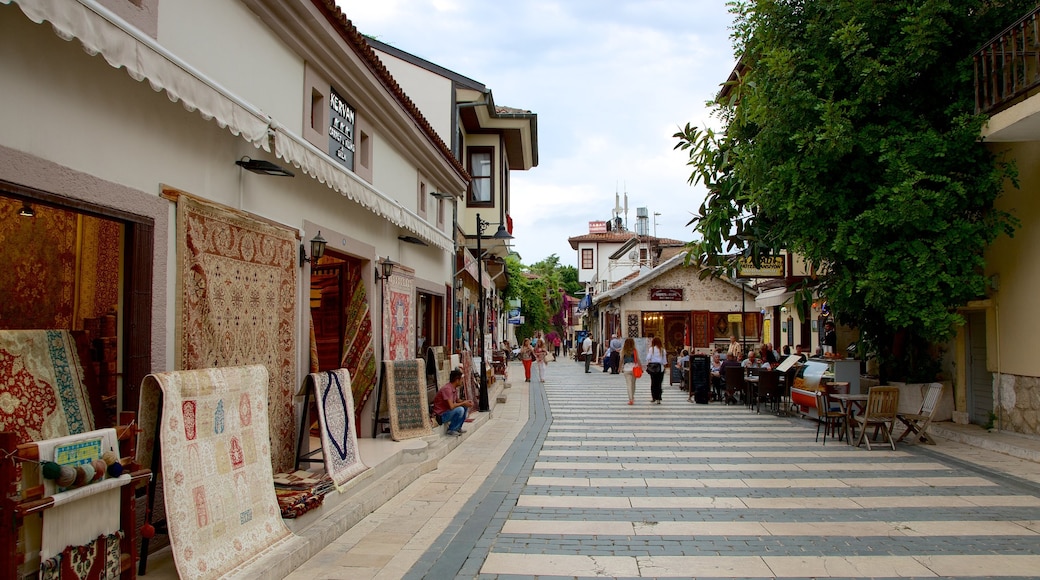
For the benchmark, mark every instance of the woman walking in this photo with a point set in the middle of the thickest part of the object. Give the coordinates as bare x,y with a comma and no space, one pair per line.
539,360
655,361
629,361
527,357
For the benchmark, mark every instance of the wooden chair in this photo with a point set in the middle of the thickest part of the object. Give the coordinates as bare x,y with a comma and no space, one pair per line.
768,390
917,423
880,413
734,377
829,418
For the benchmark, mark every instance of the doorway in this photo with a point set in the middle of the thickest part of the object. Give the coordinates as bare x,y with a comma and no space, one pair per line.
77,266
980,380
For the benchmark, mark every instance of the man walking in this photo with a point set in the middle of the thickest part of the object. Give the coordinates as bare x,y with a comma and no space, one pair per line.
615,345
586,351
448,407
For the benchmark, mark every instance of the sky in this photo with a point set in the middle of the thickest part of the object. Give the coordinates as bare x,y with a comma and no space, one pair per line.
610,80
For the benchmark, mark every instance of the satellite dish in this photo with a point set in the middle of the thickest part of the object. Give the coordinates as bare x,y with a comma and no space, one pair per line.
633,255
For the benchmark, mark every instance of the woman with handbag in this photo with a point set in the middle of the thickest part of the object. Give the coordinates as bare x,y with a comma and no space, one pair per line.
629,364
655,361
527,357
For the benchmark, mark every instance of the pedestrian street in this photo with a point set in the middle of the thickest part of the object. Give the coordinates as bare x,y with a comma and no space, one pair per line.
583,485
685,490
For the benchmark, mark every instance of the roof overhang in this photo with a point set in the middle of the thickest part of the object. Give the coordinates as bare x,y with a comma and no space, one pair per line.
519,130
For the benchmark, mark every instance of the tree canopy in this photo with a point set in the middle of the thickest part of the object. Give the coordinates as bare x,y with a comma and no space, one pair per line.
849,137
538,288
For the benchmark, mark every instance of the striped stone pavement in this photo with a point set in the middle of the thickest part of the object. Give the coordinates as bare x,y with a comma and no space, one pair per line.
593,487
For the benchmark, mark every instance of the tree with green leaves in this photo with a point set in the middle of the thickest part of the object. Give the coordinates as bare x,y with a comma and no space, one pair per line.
849,137
538,288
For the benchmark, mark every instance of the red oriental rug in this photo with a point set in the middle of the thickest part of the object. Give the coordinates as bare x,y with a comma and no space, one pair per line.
359,355
237,288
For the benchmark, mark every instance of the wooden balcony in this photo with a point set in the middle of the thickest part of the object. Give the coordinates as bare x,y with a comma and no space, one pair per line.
1007,68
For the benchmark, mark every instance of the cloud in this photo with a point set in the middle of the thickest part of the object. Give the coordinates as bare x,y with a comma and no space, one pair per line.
611,83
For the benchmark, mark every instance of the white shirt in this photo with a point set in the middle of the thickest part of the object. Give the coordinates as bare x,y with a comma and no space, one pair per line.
586,345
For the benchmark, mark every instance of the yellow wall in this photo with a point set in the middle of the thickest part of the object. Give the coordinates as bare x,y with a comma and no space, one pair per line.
1016,262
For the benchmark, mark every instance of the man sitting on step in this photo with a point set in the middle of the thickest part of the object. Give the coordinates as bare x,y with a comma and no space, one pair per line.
447,406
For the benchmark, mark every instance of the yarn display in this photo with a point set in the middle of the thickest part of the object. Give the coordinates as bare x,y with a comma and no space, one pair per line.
67,476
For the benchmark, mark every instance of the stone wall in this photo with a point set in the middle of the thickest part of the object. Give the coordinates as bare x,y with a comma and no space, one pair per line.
1019,403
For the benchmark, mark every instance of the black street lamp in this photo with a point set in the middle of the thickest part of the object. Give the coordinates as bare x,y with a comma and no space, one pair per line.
501,234
384,270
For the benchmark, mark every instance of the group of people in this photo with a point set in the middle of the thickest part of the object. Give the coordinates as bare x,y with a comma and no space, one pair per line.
535,353
621,357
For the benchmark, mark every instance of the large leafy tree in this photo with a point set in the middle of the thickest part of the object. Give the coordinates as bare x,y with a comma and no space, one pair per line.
850,138
538,287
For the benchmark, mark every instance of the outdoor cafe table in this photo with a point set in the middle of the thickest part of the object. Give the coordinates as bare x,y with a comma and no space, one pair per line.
848,404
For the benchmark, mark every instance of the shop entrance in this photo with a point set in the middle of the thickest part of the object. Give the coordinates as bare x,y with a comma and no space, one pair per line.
76,266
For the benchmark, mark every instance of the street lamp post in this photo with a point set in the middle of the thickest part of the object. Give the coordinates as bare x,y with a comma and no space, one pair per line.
501,234
383,272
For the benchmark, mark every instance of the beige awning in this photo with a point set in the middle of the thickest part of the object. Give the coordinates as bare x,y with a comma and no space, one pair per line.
773,297
320,166
123,46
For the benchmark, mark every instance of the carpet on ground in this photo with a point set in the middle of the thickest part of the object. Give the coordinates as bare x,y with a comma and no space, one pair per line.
406,399
216,467
336,422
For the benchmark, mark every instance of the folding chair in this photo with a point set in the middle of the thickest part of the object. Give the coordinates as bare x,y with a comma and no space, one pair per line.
917,423
880,413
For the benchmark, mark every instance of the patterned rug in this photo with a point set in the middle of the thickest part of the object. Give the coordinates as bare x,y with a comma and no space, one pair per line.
399,321
42,394
406,397
98,560
38,279
440,359
470,386
337,423
220,502
237,288
359,354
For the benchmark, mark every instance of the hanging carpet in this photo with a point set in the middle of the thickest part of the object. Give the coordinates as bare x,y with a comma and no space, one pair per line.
359,355
237,288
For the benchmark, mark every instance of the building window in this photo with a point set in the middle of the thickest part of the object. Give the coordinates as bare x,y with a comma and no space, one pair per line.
341,130
422,199
481,189
586,259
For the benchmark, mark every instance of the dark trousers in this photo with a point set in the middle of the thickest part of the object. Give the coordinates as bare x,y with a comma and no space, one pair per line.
656,380
588,361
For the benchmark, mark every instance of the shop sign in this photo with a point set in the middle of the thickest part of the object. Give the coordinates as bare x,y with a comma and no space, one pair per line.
514,316
671,294
771,267
341,130
597,227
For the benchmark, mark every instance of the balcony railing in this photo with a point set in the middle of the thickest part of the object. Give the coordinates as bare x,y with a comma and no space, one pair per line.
1007,68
